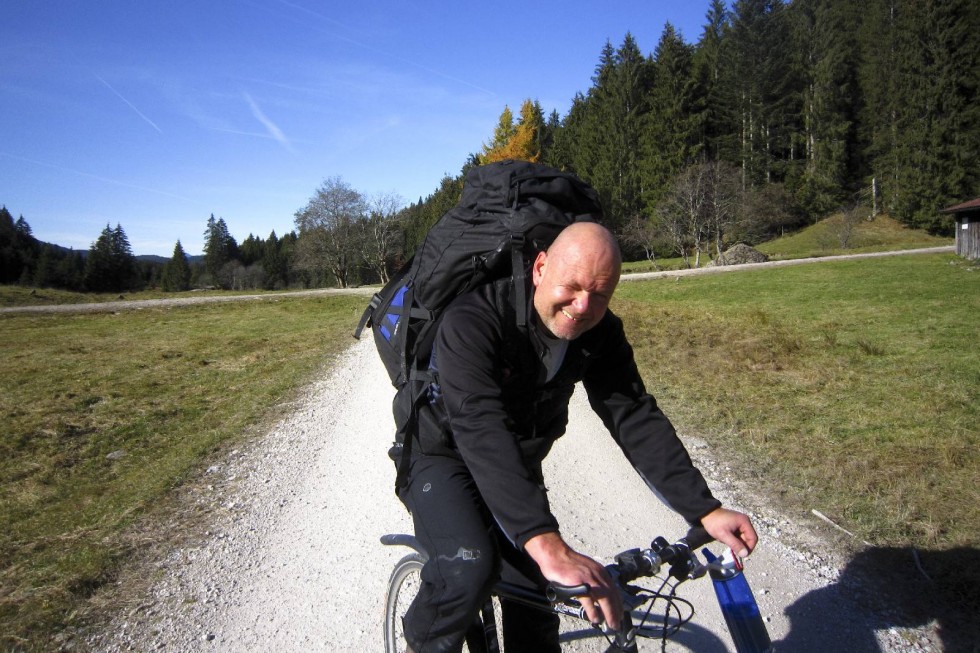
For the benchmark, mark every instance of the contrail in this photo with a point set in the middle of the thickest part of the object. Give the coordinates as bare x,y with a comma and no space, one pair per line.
96,177
383,53
270,126
131,105
313,13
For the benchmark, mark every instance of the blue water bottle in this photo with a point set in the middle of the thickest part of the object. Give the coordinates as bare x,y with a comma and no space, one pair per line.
737,604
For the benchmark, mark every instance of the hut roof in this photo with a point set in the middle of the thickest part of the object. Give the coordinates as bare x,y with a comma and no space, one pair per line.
972,205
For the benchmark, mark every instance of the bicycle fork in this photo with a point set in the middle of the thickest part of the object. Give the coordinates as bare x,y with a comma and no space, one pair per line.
625,636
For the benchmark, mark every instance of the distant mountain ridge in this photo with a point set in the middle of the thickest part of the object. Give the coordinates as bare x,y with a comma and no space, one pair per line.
153,258
148,258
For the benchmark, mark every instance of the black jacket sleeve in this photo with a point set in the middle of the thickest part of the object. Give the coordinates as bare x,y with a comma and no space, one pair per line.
467,348
617,394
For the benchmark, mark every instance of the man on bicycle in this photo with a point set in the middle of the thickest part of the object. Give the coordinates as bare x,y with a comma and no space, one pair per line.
475,487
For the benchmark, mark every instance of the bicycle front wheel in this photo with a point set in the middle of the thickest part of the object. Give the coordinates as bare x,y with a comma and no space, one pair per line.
406,578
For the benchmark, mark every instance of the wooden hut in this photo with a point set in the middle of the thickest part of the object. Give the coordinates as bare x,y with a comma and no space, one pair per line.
967,217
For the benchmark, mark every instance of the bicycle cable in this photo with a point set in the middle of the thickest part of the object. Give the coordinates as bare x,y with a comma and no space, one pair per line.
674,605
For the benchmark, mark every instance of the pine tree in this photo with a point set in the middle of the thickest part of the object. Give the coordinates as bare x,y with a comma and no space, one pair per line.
46,271
761,86
589,130
546,127
6,222
937,123
176,275
220,247
710,110
826,33
420,217
878,79
607,140
10,259
22,228
275,263
19,250
71,271
110,265
670,139
251,251
98,263
567,135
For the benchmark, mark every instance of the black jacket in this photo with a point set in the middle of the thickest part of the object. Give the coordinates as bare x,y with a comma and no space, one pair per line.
494,408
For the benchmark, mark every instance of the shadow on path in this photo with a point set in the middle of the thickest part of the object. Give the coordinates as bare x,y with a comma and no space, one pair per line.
690,636
883,588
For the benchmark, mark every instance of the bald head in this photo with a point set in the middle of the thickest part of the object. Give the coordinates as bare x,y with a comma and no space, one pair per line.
575,279
588,240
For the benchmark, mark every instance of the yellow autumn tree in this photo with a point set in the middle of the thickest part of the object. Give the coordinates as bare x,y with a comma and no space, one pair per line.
502,134
520,142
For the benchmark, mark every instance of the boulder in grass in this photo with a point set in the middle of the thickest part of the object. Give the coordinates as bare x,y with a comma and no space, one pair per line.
739,254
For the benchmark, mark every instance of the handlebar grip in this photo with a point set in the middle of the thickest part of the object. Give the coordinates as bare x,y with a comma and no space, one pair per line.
697,537
559,592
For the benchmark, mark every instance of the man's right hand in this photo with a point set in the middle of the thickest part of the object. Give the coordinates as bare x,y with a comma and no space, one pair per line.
731,528
561,564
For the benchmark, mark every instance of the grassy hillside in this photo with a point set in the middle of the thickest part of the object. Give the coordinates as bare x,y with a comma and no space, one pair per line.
825,238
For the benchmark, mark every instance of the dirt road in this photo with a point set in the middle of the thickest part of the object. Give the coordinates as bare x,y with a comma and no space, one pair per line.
290,560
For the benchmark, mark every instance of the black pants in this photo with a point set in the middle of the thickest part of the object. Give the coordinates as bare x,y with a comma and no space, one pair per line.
467,553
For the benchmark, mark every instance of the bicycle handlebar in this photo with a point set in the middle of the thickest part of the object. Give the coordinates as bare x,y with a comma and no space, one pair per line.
637,563
697,537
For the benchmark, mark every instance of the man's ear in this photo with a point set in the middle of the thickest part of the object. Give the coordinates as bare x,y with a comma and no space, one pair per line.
537,268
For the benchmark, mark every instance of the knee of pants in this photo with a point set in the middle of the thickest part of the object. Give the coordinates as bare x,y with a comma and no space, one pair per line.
464,577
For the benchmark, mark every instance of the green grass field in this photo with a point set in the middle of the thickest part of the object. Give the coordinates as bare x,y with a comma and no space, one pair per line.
25,296
850,387
105,414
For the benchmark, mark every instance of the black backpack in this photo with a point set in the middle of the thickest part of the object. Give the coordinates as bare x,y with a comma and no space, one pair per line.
508,212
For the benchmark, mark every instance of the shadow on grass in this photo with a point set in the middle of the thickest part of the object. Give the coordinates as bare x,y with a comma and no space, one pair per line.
883,588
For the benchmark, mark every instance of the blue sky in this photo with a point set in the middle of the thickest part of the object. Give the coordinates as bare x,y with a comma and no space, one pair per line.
155,115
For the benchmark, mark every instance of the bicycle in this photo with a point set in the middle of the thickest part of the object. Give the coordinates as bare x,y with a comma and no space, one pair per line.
639,619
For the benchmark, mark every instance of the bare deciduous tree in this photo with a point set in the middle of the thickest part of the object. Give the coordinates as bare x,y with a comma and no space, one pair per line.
849,219
683,213
383,242
724,202
672,224
642,232
702,206
331,228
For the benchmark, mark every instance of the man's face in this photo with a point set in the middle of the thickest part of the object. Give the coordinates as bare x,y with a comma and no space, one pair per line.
572,289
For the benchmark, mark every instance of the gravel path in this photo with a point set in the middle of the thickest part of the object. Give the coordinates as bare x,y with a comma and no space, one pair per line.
290,560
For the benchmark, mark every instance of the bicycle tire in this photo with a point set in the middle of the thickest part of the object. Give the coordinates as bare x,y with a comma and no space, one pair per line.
403,585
